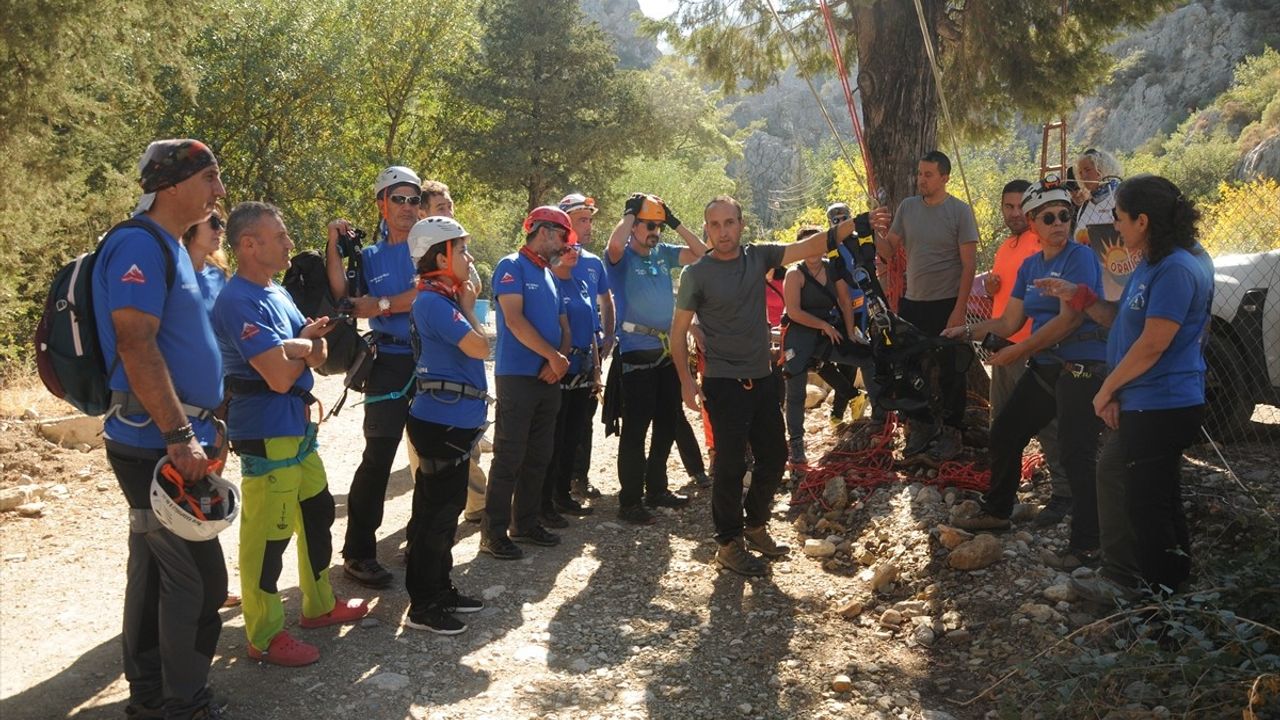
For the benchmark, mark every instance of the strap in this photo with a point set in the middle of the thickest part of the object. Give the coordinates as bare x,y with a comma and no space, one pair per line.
808,277
170,269
628,326
467,391
126,404
258,466
393,395
258,386
579,381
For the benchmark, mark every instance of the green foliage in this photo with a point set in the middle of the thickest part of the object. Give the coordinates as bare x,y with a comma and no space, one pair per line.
1243,218
686,189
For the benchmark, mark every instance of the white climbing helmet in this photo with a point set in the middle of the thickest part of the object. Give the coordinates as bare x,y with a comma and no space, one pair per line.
426,234
1049,189
196,512
396,175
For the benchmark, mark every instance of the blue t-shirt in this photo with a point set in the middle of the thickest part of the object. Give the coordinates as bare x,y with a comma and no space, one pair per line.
388,271
1178,288
1079,264
130,273
250,320
440,326
212,280
643,294
576,299
590,269
516,273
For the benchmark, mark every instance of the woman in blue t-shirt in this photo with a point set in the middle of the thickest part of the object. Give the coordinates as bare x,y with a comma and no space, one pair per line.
445,420
1065,356
579,385
204,244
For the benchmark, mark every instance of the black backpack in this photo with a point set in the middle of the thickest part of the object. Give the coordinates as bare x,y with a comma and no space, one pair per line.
307,282
68,356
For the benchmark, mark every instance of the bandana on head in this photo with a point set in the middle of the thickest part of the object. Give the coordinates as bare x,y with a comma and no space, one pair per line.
167,163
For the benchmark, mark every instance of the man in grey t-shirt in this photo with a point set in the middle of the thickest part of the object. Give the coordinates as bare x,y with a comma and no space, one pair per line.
940,236
725,288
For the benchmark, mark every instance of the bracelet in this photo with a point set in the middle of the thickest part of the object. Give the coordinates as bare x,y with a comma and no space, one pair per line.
968,332
1083,297
178,436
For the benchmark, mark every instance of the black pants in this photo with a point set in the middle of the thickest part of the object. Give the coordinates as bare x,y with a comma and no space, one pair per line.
383,428
744,413
1153,442
582,460
439,495
1031,407
931,316
571,431
523,435
171,599
688,447
649,397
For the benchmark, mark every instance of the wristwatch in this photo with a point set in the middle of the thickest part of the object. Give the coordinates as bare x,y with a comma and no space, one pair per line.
384,306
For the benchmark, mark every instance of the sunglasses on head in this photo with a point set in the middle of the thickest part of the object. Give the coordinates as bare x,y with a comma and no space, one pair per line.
216,223
1051,218
402,199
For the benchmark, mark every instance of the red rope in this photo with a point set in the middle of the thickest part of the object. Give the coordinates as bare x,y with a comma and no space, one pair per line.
848,95
875,467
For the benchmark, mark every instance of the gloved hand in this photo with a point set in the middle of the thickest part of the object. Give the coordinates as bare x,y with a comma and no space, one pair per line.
671,220
632,207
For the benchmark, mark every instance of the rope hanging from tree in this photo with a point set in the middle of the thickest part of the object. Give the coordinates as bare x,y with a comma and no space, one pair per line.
942,97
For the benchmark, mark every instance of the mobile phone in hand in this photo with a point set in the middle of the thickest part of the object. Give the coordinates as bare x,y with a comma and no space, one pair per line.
994,343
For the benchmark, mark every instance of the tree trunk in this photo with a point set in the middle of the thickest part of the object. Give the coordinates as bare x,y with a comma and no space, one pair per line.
899,98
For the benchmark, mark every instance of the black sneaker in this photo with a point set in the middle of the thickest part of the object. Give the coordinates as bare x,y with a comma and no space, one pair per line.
552,519
667,499
1053,512
636,515
142,711
501,547
700,479
537,535
435,619
368,572
459,603
568,506
583,488
212,711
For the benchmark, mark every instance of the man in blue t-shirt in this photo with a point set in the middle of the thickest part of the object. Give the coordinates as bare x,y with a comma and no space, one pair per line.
155,332
639,268
530,358
268,349
590,269
383,293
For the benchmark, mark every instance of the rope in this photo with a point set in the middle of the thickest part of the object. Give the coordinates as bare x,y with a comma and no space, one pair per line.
942,97
844,151
848,97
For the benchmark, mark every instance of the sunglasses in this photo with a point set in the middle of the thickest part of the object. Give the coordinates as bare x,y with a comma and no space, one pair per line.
653,225
1050,218
216,223
414,200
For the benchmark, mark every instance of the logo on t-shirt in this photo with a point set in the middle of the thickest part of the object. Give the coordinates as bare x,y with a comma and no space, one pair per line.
134,275
248,331
457,316
507,278
1139,299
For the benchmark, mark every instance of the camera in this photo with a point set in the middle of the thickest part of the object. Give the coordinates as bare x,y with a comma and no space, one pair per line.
349,242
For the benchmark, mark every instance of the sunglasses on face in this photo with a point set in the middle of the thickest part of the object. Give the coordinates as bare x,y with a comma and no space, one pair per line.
216,224
1050,218
414,200
653,225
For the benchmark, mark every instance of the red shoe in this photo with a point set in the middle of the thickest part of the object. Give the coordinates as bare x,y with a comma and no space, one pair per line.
286,651
344,611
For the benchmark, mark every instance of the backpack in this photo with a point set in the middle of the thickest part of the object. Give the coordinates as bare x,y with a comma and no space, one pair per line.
68,356
307,282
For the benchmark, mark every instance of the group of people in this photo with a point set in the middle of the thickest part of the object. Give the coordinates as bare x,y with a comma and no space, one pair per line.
179,325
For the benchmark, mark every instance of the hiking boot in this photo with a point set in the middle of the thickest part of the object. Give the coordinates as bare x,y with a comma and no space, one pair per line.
946,446
1053,512
667,499
552,519
583,488
1103,591
734,556
435,619
919,436
344,611
636,515
568,506
758,539
459,603
537,535
983,520
700,479
501,547
367,572
1071,559
285,651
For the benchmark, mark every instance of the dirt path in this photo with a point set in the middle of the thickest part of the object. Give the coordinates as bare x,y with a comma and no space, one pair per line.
617,622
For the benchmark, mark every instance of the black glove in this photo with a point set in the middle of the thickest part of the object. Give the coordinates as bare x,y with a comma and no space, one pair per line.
862,225
671,220
633,204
